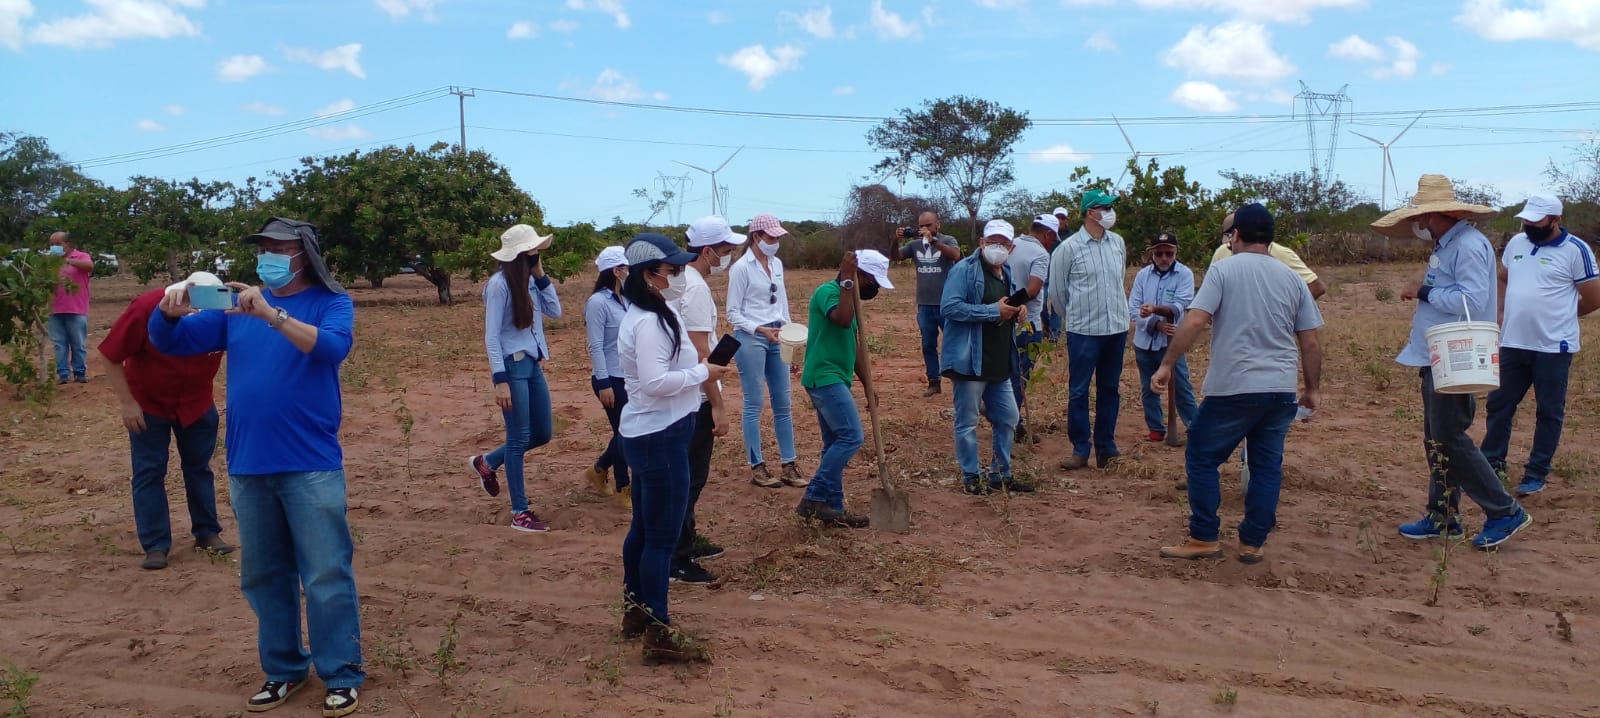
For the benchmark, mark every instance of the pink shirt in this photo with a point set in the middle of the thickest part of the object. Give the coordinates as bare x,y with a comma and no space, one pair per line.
72,299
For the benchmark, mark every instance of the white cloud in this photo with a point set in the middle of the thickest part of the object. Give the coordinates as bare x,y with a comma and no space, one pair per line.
610,7
340,133
1263,10
175,110
261,108
1405,58
1440,68
1355,48
844,90
1000,4
241,67
111,20
400,8
1203,96
1577,21
149,126
759,65
343,57
613,86
890,25
344,105
522,29
1057,154
718,17
1101,41
12,13
562,25
817,21
1236,50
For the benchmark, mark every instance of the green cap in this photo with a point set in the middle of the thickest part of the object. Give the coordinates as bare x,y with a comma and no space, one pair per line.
1096,198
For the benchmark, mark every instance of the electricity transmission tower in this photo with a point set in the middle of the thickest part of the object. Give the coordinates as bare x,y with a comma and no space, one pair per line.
1325,113
679,187
719,204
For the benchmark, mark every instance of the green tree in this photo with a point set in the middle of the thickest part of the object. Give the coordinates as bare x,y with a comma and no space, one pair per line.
1302,202
31,177
960,144
27,289
1019,206
1167,200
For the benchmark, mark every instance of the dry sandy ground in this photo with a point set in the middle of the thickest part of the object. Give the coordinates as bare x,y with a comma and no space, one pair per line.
1053,604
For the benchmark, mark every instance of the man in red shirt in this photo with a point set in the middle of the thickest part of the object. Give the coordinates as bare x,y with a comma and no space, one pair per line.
164,396
69,311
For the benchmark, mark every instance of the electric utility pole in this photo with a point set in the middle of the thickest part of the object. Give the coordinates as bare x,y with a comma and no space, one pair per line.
461,96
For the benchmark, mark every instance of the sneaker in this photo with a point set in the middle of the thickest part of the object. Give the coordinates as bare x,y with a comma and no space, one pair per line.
1191,549
486,477
691,573
80,379
624,498
791,476
154,560
634,621
977,485
1250,554
214,544
1529,487
528,521
339,702
763,478
1105,460
933,388
1011,484
1426,528
1075,462
598,479
272,695
830,516
1499,531
1156,436
703,550
63,380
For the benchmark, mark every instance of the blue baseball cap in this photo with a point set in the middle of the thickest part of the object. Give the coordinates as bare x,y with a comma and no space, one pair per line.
652,247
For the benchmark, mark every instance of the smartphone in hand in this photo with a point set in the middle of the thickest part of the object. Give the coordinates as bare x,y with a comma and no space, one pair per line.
213,296
723,352
1019,298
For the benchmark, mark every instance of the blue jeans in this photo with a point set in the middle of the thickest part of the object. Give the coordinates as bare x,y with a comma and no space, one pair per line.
1219,426
1149,361
929,321
528,425
196,444
660,499
1096,359
999,405
1022,368
1546,373
293,537
840,422
612,457
762,371
70,335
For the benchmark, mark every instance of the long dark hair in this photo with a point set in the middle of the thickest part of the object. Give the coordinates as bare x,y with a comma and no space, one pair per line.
516,274
607,280
639,293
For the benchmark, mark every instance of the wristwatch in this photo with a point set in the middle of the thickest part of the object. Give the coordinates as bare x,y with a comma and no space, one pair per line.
278,319
847,284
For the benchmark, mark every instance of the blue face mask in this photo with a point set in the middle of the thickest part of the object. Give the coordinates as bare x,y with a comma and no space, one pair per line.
274,269
57,250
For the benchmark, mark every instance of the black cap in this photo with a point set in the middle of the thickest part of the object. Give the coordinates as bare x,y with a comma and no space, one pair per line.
1165,238
1253,220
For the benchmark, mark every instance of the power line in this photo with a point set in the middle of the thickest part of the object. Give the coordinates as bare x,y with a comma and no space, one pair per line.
346,148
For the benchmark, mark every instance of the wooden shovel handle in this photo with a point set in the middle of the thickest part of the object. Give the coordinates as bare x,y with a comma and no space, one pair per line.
863,356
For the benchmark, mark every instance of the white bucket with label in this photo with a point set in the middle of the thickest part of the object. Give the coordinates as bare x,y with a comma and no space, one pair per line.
792,336
1465,357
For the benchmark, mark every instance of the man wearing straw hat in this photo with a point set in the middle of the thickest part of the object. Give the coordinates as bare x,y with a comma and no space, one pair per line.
1459,284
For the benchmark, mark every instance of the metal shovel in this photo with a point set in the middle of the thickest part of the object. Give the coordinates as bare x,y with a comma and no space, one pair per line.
891,506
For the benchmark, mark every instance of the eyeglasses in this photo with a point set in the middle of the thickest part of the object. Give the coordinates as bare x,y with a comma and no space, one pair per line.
1226,231
1166,254
774,289
927,225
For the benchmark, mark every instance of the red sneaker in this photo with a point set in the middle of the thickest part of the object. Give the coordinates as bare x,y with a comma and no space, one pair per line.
528,521
1156,436
486,476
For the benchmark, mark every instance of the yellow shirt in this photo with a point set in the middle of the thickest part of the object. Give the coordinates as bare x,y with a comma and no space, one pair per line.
1278,252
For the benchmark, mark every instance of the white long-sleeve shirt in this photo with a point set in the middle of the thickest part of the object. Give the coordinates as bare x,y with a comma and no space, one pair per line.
756,299
662,388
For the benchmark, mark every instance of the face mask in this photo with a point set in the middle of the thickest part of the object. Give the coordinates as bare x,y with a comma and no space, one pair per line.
995,254
768,248
869,291
1539,234
1421,232
722,264
57,250
676,283
1108,218
273,269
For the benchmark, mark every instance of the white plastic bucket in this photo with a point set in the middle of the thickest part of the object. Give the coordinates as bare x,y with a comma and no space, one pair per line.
1465,357
791,337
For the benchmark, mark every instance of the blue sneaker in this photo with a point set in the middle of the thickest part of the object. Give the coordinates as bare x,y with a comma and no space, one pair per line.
1530,486
1499,531
1427,529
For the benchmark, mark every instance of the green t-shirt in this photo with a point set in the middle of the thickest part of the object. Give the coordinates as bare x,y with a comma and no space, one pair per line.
997,336
830,348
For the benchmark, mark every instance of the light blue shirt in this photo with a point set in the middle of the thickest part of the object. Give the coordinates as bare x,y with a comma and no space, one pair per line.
501,337
1461,276
1086,283
602,316
1174,289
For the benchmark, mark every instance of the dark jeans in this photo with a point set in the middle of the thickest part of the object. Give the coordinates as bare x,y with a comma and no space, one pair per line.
930,321
1455,464
660,498
197,442
699,470
1096,359
1149,361
1222,422
1022,368
612,457
528,425
1546,373
840,423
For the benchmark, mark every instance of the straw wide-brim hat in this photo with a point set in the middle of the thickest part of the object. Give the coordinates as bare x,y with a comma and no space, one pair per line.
520,238
1435,193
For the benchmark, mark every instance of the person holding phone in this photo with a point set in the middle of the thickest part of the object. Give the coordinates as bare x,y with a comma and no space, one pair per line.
602,317
515,301
980,319
664,375
69,310
933,253
758,306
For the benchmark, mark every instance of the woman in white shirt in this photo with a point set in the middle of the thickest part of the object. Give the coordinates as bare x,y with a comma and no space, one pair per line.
758,306
661,370
602,317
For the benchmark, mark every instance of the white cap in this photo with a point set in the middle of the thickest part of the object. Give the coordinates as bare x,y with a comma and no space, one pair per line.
1061,212
1049,221
874,263
1000,227
1540,206
712,230
611,258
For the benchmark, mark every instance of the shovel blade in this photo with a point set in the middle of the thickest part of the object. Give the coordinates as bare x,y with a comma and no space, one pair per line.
891,510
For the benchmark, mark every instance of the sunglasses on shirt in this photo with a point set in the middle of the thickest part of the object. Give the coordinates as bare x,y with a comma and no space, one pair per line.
774,289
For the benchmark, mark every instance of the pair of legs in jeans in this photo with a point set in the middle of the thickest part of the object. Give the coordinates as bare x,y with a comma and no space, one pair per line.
1546,373
700,445
930,321
1149,361
1097,360
1455,464
1000,408
294,539
612,457
660,464
762,372
197,442
69,333
528,425
1221,423
840,422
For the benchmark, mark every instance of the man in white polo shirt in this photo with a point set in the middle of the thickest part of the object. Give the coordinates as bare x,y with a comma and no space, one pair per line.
1546,282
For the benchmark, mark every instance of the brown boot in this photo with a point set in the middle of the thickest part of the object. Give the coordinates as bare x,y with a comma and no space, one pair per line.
662,644
1192,549
634,621
1251,554
763,478
1074,462
600,480
933,388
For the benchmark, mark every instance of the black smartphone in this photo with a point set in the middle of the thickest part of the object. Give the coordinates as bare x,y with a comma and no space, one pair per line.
723,352
1019,298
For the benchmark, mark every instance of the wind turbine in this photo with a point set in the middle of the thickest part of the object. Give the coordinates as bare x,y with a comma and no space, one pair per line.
717,205
1134,160
1384,180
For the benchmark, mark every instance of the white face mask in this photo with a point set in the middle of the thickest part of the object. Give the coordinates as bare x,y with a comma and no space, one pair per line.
768,248
1421,232
1108,218
995,254
676,283
722,265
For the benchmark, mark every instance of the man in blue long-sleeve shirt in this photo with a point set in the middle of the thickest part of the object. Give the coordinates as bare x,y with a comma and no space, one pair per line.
1161,292
285,465
1460,284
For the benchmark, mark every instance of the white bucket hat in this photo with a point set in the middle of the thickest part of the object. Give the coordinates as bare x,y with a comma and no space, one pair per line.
520,238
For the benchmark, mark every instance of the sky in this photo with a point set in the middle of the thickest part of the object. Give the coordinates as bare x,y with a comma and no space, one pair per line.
230,89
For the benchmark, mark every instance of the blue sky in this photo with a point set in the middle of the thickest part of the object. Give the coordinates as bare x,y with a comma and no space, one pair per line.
101,78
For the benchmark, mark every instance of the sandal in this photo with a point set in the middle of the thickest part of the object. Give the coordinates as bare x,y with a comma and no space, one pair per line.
271,695
339,702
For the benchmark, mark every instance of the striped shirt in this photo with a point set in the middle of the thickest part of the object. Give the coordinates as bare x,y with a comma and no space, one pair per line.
1086,283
